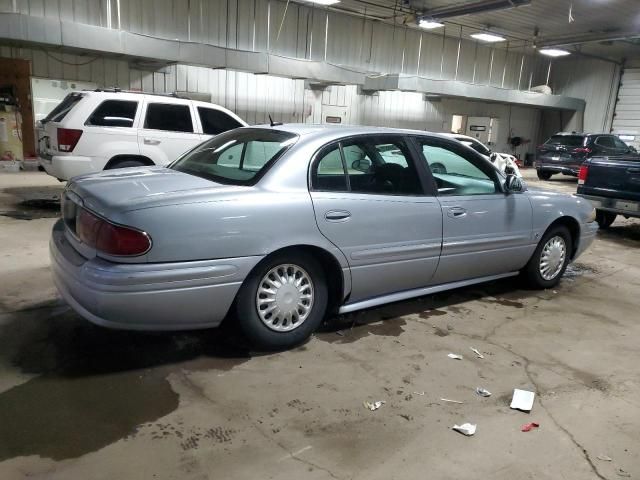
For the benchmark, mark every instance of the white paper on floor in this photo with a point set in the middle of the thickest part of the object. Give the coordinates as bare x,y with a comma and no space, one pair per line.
522,400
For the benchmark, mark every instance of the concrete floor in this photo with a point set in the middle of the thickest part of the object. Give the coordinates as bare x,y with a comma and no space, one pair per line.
81,402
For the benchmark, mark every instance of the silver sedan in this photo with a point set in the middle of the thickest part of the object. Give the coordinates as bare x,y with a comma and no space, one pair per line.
275,227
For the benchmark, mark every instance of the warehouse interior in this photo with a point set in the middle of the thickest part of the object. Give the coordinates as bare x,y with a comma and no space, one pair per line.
79,401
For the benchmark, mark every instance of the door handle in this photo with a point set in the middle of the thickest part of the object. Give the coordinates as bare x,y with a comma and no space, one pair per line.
337,215
456,212
151,141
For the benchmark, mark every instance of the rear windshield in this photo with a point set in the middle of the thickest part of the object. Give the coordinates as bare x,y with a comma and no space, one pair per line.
64,107
237,157
568,140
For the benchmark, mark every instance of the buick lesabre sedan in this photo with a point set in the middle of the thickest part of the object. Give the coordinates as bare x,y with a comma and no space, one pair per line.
275,227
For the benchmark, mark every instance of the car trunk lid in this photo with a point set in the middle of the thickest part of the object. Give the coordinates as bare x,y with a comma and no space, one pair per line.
119,190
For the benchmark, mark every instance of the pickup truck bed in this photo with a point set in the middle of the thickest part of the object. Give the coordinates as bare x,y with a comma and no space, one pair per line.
612,184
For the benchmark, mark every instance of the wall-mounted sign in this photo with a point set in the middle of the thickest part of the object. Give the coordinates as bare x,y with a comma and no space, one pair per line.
330,119
478,128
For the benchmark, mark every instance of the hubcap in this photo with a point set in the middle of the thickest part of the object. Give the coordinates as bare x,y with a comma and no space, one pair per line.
285,297
552,257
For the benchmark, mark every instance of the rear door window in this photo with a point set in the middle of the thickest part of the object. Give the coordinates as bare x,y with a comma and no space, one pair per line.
168,116
64,107
216,121
114,113
605,141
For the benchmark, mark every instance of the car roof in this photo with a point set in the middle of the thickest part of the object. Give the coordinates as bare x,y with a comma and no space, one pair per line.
459,136
332,132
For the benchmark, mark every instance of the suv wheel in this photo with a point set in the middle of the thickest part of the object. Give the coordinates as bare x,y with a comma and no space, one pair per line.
550,259
283,301
605,219
543,175
126,163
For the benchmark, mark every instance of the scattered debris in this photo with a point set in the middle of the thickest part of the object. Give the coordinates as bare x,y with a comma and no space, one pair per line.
483,392
467,429
373,405
408,418
340,333
455,356
449,327
522,400
622,473
419,393
604,458
475,350
450,401
527,427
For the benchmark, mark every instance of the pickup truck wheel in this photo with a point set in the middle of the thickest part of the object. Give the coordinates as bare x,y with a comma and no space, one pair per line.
605,219
550,259
542,175
282,301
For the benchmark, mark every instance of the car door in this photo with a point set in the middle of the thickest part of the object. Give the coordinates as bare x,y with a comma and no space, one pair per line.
167,130
370,200
485,231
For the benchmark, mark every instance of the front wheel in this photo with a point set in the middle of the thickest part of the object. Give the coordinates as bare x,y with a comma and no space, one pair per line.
550,259
543,175
605,219
282,301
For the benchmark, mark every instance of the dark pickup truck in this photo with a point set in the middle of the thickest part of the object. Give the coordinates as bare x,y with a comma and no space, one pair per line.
612,184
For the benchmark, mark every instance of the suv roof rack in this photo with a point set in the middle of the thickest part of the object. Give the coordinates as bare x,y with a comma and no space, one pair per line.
119,90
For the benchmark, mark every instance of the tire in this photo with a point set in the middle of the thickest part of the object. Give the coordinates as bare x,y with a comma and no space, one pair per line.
269,331
126,163
533,271
605,219
543,175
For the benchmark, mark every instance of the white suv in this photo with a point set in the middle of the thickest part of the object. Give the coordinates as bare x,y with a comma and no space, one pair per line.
90,131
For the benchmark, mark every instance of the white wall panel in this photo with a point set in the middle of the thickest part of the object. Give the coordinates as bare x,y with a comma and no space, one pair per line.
627,111
593,80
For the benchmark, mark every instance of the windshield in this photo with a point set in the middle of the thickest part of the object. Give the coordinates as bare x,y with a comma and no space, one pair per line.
237,157
567,140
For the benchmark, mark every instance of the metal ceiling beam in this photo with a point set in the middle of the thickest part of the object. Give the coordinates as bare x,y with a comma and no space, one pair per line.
481,6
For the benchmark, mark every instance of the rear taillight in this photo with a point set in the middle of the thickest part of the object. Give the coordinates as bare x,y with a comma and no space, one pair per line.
68,139
581,150
582,174
109,238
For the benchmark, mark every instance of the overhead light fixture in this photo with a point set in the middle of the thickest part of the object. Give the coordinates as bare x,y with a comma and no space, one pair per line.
429,23
322,2
488,37
554,52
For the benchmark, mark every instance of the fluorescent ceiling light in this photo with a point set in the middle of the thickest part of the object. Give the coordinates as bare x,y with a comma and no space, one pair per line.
323,2
429,23
554,52
488,37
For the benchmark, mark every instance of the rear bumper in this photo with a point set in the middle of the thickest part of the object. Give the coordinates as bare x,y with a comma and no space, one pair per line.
169,296
558,168
65,167
587,236
629,208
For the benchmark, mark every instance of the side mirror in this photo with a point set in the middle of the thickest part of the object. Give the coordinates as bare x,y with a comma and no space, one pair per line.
513,184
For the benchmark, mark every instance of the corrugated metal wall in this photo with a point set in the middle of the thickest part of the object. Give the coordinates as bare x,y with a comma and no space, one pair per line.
254,97
593,80
307,32
626,120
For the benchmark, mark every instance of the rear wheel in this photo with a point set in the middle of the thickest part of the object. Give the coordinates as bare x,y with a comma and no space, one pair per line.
550,259
126,163
544,175
282,301
605,219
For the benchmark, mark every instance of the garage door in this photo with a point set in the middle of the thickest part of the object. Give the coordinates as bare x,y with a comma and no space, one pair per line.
626,121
